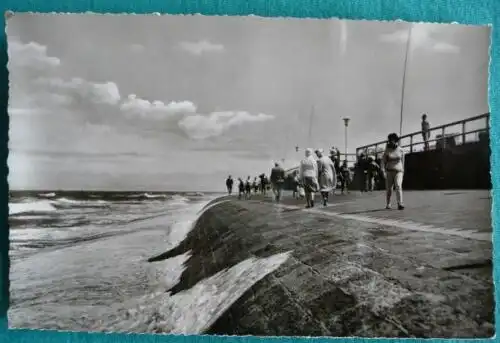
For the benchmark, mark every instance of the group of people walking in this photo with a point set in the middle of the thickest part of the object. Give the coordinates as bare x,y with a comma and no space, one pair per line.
368,172
259,184
318,172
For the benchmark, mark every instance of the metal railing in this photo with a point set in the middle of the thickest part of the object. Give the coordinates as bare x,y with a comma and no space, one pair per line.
441,140
350,158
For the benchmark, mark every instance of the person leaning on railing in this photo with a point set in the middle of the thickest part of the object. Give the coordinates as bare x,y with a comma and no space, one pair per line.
426,131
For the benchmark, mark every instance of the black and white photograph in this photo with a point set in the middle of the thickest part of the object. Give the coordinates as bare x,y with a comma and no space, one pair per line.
189,174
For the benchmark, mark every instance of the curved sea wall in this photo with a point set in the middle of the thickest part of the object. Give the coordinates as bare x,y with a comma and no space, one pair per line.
338,281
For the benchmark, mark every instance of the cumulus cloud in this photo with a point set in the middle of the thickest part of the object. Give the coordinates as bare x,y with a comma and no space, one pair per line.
203,46
44,91
136,105
216,123
34,81
80,89
421,37
31,55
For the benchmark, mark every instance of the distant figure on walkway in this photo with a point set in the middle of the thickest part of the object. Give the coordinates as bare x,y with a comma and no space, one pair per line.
266,184
308,173
248,188
373,170
393,166
327,176
241,188
229,185
255,185
362,171
346,177
426,131
262,184
296,185
277,180
335,157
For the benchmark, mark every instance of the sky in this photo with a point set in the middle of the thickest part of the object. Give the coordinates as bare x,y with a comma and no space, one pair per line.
130,102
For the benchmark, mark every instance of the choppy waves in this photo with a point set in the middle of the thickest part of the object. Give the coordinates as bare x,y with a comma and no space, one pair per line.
58,220
37,206
69,251
49,202
94,251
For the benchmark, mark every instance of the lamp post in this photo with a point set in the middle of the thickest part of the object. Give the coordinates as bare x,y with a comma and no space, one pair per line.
346,124
407,52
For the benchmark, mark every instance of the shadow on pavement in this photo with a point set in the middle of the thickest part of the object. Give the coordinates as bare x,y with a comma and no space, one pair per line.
367,211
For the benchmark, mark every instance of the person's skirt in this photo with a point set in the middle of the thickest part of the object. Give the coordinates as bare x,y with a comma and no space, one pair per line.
310,184
327,182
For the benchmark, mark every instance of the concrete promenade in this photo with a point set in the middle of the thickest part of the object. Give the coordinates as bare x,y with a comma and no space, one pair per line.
356,269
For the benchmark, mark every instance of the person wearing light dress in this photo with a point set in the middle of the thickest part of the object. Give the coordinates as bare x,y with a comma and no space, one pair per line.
393,164
327,176
308,174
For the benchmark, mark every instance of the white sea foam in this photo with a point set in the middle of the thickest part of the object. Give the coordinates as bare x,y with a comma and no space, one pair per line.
154,196
27,234
72,202
47,195
194,310
178,200
184,222
29,217
40,206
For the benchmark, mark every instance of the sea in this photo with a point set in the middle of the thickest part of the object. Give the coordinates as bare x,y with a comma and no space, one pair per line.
79,263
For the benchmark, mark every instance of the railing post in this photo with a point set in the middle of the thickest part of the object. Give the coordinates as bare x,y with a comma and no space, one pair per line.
411,143
464,130
487,122
443,137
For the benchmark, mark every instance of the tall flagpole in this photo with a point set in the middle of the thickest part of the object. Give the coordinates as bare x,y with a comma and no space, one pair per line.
407,52
310,126
346,124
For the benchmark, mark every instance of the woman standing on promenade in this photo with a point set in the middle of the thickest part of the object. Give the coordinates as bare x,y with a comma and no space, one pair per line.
308,173
327,176
393,167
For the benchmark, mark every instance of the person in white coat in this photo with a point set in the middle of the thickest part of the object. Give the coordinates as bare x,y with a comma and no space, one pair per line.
308,174
327,176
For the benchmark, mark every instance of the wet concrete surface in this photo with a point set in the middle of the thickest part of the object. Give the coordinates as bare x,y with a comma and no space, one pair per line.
352,277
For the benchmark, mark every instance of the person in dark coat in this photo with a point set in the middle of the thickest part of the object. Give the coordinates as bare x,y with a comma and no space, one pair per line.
346,177
248,188
277,180
241,188
229,185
